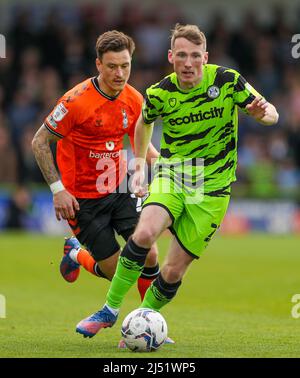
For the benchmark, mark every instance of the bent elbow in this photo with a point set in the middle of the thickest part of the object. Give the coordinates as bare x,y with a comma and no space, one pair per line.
35,143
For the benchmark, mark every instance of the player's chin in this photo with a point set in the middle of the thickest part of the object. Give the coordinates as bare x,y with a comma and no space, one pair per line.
187,79
119,85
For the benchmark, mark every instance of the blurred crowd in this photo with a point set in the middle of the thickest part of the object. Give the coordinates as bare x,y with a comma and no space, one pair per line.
50,50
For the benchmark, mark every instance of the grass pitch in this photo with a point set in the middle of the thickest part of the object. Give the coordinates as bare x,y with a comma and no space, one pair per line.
234,302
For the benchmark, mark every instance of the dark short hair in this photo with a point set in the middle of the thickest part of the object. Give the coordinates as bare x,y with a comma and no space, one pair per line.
190,32
114,40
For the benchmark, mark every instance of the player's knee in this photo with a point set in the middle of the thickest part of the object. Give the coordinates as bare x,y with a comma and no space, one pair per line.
144,236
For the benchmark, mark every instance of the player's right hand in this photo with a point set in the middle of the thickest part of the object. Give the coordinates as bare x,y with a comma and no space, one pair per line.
137,184
65,205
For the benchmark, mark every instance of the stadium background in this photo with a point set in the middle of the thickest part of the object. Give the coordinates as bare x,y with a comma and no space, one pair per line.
247,279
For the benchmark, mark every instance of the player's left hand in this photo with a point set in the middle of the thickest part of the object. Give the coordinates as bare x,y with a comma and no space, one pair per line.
137,184
258,108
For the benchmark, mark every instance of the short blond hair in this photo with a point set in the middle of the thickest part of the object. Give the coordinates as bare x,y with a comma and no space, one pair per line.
190,32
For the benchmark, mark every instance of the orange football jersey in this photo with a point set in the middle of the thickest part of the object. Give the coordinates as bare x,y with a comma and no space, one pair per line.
91,126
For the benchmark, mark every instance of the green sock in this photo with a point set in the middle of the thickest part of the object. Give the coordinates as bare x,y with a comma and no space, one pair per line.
154,299
159,293
127,273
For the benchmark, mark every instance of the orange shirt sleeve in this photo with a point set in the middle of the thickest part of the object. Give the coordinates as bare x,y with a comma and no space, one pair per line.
62,118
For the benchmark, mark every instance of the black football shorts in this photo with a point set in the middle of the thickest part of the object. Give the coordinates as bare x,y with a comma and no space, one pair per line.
98,219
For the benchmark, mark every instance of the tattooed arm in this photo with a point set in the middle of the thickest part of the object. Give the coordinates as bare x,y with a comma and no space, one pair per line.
43,154
65,204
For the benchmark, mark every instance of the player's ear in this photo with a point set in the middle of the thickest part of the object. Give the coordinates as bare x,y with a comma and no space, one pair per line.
205,57
170,56
98,64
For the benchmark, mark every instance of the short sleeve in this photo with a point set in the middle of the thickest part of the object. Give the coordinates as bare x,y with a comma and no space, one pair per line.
243,93
61,120
152,106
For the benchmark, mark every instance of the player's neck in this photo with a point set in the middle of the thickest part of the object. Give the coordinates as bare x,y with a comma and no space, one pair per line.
188,86
106,89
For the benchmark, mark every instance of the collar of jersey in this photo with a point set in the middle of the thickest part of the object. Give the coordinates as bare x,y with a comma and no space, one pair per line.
192,89
97,87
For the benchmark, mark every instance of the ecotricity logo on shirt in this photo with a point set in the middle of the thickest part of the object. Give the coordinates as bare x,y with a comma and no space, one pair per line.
196,117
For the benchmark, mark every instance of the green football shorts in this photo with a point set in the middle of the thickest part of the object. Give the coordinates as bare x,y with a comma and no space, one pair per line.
196,217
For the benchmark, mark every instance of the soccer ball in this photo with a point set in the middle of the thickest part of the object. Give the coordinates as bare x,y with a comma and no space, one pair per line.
144,330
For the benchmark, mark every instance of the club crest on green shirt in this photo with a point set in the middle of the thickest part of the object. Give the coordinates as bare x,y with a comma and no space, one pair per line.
213,91
172,102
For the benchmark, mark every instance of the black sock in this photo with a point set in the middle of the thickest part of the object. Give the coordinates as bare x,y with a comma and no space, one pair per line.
99,272
168,290
151,272
135,253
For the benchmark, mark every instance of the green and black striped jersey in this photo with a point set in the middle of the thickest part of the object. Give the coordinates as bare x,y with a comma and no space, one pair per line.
201,122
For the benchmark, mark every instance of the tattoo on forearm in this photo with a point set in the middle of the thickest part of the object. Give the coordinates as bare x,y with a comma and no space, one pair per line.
44,156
